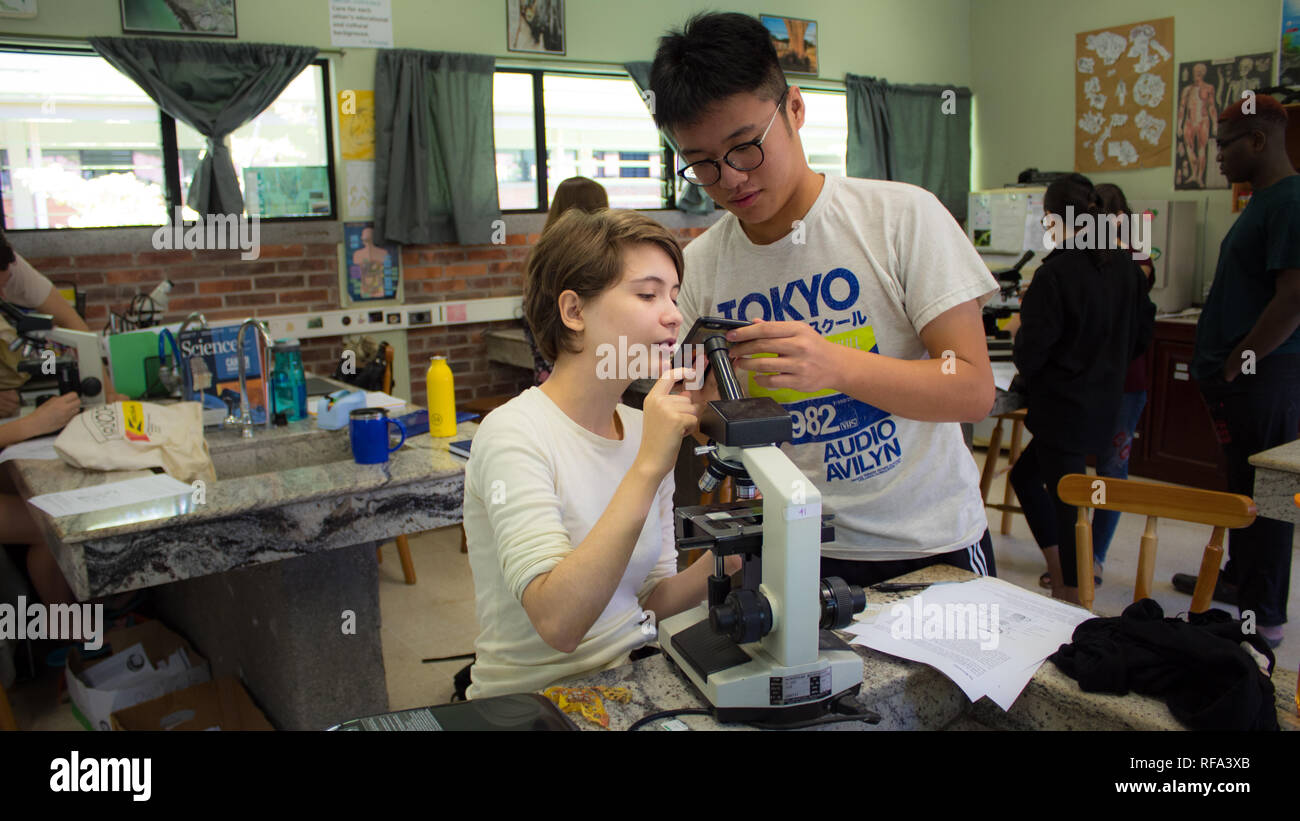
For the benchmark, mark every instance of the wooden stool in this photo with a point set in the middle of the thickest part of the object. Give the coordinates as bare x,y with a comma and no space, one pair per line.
1008,506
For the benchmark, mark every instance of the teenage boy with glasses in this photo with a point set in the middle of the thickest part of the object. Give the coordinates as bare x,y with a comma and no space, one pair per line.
867,292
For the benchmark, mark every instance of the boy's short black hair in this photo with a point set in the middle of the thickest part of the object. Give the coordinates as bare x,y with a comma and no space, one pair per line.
7,256
713,57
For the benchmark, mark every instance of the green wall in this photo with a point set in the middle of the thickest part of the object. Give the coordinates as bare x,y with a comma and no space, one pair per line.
1022,63
917,41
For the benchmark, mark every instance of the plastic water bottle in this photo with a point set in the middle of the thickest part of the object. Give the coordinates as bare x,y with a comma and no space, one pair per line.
440,391
290,383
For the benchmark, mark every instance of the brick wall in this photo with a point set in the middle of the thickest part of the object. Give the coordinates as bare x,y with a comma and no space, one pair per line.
299,278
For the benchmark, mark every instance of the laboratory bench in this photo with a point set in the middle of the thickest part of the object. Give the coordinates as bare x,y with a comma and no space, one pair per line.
910,695
271,571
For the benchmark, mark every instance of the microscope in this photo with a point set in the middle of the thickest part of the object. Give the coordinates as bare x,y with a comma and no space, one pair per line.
762,651
82,374
1007,300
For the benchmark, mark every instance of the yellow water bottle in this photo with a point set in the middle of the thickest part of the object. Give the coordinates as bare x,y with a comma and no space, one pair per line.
440,390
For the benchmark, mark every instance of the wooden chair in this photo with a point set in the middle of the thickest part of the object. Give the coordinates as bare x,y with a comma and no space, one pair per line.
1207,507
1008,506
403,547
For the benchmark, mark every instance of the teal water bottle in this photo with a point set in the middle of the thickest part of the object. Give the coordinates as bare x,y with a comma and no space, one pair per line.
290,384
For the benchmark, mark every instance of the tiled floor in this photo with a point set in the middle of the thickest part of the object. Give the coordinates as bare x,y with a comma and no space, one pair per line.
435,617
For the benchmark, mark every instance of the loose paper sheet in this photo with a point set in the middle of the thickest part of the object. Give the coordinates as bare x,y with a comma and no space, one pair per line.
987,635
114,494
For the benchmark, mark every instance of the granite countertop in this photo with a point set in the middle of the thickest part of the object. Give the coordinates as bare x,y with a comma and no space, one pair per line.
1277,481
909,695
286,492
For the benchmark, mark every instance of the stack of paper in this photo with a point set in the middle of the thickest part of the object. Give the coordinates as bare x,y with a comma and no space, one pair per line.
987,635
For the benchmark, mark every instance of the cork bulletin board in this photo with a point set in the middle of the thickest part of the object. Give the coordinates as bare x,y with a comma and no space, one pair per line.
1123,96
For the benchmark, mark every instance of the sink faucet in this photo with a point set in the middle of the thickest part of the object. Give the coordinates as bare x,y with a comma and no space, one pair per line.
203,322
262,336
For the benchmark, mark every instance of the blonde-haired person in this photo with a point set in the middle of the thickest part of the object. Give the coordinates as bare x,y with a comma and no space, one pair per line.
568,494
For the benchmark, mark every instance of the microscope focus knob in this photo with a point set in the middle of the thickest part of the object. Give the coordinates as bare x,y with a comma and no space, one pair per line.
90,386
840,600
744,617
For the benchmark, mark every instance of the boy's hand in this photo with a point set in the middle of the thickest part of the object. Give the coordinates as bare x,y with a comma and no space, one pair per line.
804,360
668,417
9,403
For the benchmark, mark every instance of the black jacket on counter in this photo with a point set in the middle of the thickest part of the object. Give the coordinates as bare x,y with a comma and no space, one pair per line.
1080,326
1197,667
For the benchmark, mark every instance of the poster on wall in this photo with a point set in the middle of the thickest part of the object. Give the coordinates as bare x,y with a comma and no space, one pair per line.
373,271
535,26
215,18
1289,50
1205,89
357,124
1196,123
795,42
1124,76
17,8
1248,72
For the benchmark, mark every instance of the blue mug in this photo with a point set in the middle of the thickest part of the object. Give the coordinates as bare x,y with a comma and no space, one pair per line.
369,432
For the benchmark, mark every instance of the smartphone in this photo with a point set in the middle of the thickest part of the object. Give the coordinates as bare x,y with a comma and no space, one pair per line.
707,326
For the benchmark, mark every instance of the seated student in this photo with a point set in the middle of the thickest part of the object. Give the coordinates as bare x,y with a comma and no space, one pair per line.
1083,319
19,526
568,494
50,417
24,286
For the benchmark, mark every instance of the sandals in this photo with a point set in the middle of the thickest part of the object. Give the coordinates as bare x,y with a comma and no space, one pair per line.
1045,580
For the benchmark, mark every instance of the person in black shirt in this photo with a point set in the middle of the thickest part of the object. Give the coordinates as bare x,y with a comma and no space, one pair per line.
1083,319
1247,360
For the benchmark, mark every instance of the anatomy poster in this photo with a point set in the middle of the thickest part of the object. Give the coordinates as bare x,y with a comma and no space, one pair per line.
1196,123
1124,78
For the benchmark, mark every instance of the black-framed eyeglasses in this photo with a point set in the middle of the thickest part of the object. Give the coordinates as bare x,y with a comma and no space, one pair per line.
1222,144
743,157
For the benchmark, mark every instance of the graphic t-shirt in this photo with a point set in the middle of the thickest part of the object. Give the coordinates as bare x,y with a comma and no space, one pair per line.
869,266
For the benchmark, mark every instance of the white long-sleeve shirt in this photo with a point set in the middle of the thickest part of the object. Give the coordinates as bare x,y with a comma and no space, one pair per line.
535,485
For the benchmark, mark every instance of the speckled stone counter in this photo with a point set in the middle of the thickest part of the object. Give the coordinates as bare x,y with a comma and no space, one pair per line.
913,696
1277,481
272,573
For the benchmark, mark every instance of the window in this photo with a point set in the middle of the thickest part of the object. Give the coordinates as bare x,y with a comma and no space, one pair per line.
592,126
82,146
825,131
280,156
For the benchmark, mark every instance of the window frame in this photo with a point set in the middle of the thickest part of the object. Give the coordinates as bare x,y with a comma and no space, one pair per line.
171,155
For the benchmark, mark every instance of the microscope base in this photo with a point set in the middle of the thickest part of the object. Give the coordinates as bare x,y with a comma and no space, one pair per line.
743,684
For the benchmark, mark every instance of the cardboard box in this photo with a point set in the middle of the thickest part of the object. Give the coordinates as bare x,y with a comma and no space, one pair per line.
220,704
147,661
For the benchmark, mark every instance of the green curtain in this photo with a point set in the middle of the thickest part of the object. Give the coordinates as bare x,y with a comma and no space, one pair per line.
911,133
690,198
435,157
212,87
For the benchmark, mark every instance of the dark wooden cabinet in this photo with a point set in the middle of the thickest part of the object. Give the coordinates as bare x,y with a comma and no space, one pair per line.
1175,437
